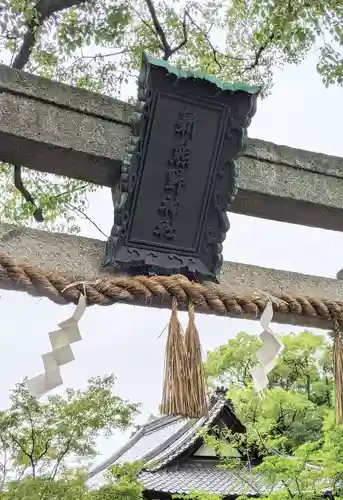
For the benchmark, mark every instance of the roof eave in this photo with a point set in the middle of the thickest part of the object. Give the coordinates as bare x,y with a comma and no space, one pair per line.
148,61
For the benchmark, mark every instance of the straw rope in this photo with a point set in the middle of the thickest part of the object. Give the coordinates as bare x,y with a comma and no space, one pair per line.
158,291
176,398
338,369
197,382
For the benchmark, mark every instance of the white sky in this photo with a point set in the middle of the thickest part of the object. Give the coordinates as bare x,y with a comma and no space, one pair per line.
302,113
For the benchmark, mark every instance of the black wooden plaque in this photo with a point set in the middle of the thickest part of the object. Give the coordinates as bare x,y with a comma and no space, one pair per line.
178,178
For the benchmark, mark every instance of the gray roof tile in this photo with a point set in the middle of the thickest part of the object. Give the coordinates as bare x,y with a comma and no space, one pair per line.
205,478
150,441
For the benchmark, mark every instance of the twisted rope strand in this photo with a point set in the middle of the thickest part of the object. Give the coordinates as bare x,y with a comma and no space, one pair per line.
158,291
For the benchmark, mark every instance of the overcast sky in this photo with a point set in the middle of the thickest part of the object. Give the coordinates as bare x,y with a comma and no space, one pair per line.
302,113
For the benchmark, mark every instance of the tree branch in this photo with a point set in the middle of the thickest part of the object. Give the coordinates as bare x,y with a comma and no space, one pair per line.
18,443
43,10
215,52
185,35
161,35
20,474
3,467
45,450
273,453
33,439
271,37
259,53
159,30
66,193
61,456
145,23
85,216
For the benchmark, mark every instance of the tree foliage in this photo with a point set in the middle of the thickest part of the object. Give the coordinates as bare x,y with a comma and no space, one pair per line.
41,440
292,434
312,472
97,44
300,387
121,484
72,488
197,495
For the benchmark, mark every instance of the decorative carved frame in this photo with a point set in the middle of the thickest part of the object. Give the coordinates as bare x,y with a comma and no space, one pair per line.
205,263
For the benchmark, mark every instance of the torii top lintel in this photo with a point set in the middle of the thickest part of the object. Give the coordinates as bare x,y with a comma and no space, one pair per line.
80,134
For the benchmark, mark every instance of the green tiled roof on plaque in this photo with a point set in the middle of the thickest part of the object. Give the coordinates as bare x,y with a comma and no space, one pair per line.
199,75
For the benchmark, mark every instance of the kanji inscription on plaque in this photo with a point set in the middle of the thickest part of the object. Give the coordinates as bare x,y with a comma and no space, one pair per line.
176,175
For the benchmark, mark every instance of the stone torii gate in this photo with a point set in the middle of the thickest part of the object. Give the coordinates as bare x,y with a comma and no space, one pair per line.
83,135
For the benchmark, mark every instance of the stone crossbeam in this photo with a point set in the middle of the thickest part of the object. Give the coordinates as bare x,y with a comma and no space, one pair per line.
55,128
81,258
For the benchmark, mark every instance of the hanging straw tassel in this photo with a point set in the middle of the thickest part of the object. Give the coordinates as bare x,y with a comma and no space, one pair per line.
197,378
338,370
175,397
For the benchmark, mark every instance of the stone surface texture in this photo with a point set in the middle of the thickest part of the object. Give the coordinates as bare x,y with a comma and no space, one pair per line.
18,82
81,258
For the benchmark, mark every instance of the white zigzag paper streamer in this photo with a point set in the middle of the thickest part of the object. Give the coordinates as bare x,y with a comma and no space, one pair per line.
61,353
268,354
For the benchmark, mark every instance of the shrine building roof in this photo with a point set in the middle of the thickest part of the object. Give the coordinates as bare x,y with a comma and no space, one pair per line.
176,460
